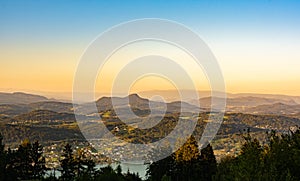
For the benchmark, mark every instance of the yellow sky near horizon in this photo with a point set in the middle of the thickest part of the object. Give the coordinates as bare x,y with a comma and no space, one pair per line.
251,68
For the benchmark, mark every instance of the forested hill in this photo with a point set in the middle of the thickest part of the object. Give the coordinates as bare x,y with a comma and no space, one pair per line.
20,98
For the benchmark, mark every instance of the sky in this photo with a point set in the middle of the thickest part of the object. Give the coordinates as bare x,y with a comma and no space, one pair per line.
256,43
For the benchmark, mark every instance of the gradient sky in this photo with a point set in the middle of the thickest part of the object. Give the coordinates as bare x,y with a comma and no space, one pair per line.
257,43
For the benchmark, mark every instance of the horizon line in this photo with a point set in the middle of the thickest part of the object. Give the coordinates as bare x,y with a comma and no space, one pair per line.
37,92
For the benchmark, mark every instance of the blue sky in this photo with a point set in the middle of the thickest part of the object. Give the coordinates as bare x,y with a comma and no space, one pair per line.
45,20
247,37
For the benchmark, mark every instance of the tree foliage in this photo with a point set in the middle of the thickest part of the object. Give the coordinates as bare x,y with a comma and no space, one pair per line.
187,163
277,159
25,163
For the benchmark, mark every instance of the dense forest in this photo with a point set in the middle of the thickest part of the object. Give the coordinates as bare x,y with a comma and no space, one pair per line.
277,159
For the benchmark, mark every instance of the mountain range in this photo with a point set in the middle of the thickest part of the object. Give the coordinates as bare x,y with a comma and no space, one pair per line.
173,95
12,104
37,117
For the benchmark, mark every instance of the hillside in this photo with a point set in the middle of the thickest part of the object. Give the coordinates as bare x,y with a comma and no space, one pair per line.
45,115
53,120
52,106
242,104
20,98
275,109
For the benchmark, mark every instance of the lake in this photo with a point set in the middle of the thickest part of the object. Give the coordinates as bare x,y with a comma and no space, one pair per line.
139,168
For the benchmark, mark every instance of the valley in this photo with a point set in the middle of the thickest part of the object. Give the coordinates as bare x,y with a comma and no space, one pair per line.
54,123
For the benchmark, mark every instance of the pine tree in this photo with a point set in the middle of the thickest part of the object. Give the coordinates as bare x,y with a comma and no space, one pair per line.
23,162
108,173
187,162
248,165
131,176
157,170
67,163
79,162
188,152
90,167
38,161
251,152
208,163
2,159
10,171
226,169
118,170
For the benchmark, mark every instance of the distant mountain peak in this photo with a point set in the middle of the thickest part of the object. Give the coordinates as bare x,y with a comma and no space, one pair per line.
134,95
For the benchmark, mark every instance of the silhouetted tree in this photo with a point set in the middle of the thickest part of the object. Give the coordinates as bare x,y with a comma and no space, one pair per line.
282,156
25,163
247,165
38,161
208,163
10,171
2,159
108,173
132,176
79,162
277,160
162,167
118,170
90,167
187,163
226,169
67,163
